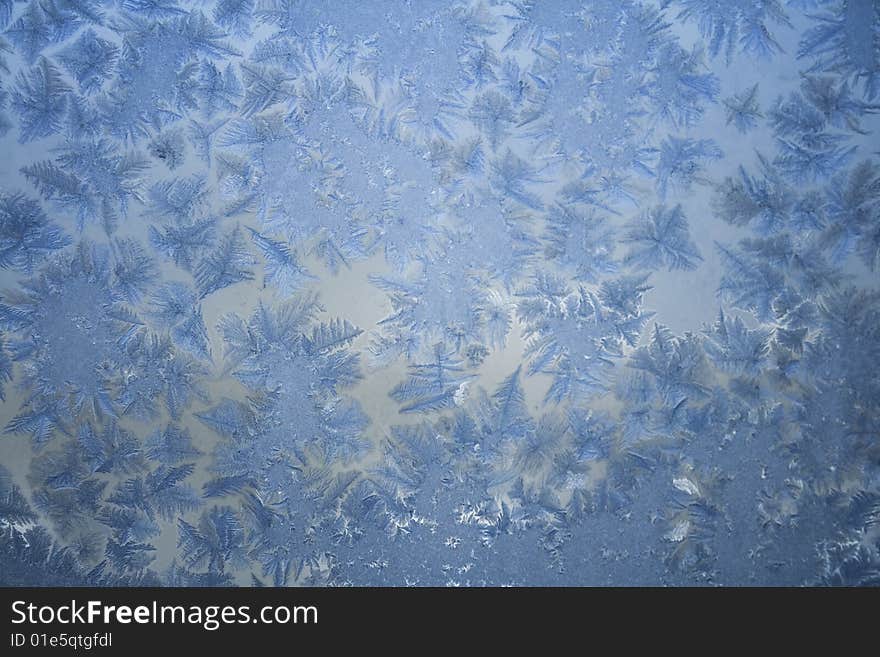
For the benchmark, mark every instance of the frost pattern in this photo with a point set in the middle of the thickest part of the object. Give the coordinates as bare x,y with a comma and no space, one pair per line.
447,292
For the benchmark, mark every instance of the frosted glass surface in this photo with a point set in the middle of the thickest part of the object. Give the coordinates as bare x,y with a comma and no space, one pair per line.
439,293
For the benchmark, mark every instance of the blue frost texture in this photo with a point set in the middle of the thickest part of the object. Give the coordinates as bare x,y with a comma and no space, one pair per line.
439,292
